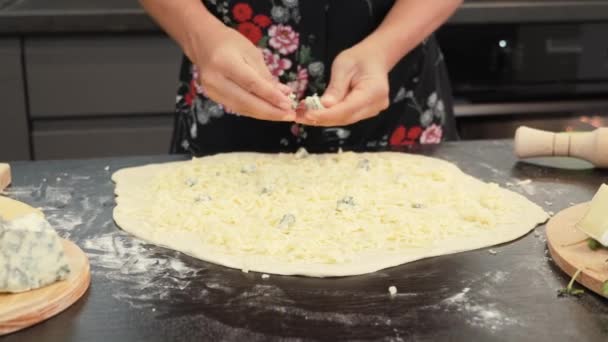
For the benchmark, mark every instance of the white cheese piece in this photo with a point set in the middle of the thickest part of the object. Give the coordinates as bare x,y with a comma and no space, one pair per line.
313,102
595,221
31,254
294,101
392,290
265,276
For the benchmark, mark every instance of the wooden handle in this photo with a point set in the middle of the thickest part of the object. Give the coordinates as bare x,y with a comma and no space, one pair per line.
5,176
531,142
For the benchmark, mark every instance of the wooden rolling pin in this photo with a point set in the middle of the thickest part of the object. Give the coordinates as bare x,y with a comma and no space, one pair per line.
5,176
590,146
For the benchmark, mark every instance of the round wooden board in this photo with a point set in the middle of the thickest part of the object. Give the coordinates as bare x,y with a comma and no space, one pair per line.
21,310
570,256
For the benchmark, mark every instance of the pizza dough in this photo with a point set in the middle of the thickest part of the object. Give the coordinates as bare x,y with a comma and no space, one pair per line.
317,215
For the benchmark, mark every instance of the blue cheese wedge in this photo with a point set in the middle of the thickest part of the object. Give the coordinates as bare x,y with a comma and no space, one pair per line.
31,254
595,221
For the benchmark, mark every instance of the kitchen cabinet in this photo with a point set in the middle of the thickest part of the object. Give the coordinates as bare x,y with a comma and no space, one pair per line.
101,137
14,136
100,95
101,75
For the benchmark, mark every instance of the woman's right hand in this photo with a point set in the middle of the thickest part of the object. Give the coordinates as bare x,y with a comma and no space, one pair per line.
233,73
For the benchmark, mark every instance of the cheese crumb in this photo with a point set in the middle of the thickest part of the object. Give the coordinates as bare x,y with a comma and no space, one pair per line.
265,276
107,168
493,252
524,182
392,290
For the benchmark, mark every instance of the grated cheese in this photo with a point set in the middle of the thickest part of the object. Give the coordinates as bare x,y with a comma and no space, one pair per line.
346,204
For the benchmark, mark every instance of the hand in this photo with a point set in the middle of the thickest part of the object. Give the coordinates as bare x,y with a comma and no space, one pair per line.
233,73
358,90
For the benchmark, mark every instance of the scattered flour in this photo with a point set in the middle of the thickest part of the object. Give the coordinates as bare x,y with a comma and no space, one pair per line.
144,275
478,315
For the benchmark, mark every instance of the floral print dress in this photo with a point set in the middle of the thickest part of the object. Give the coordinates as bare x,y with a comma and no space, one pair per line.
299,40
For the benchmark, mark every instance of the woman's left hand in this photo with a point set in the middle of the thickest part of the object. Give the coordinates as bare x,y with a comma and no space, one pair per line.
358,90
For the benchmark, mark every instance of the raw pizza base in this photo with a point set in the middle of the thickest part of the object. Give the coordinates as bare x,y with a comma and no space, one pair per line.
135,191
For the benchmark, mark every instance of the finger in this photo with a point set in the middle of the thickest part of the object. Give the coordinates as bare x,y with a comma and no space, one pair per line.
250,80
284,88
339,84
258,63
233,96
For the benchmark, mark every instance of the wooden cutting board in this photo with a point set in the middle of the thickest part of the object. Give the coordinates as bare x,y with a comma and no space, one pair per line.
570,252
21,310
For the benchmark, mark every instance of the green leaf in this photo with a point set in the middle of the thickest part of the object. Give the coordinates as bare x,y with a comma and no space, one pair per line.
304,55
570,290
605,288
263,42
292,76
593,244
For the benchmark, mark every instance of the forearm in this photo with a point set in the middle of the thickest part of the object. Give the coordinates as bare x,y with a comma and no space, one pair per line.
188,22
407,24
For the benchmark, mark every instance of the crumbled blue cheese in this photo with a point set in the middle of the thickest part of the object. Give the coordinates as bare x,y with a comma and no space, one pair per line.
313,102
287,221
250,168
266,190
345,203
294,101
202,198
364,164
31,254
301,153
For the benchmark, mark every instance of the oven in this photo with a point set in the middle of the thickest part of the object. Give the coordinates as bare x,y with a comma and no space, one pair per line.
548,76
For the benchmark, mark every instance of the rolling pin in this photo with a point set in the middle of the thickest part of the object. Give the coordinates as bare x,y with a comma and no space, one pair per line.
590,146
5,176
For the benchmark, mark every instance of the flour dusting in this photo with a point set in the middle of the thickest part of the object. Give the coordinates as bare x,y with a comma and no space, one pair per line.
486,315
144,274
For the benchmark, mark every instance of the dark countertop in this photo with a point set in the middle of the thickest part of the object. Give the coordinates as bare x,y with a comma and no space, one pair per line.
71,16
141,292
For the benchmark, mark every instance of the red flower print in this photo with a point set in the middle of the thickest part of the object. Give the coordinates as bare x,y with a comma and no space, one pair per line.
251,31
275,63
262,20
242,12
431,135
404,137
295,130
188,98
300,84
283,38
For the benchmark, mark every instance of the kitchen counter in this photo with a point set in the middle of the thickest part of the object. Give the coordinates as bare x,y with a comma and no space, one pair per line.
40,16
142,292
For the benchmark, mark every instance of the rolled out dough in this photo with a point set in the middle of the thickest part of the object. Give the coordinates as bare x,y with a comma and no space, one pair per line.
317,215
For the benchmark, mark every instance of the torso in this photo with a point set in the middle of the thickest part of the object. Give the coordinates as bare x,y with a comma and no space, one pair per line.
299,40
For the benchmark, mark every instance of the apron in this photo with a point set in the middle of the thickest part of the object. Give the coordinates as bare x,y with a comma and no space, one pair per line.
299,40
